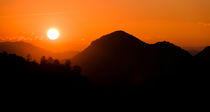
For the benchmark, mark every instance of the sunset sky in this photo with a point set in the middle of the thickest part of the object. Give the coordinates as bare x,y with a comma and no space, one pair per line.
183,22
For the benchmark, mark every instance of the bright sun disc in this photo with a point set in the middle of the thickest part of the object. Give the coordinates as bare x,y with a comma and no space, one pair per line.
53,34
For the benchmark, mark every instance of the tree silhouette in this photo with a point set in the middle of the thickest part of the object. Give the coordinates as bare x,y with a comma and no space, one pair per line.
50,60
28,58
43,60
56,62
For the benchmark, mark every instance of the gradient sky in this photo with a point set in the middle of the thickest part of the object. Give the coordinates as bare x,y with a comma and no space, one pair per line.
183,22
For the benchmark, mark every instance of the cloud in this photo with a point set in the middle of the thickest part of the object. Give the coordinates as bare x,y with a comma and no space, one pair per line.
34,14
204,24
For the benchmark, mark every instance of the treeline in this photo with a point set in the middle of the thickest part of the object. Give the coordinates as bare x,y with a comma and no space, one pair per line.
16,70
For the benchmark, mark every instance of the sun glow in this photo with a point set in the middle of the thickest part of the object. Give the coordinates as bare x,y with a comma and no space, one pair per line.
53,34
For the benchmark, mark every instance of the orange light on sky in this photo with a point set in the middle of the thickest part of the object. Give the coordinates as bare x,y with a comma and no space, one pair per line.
183,22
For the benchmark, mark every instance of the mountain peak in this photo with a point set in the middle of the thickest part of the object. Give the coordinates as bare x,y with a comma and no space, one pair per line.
119,38
166,43
119,32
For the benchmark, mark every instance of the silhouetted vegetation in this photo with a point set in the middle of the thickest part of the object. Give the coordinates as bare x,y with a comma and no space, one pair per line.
48,75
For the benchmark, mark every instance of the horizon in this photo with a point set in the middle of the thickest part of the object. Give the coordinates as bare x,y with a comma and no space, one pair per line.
184,23
191,50
104,48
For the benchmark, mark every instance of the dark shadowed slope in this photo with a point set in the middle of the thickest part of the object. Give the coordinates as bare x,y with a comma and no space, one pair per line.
205,54
202,66
203,63
121,59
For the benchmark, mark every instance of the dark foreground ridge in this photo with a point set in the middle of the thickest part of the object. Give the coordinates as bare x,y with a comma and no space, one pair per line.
115,64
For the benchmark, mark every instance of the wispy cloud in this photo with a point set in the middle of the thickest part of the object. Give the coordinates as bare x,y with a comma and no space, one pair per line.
204,24
33,14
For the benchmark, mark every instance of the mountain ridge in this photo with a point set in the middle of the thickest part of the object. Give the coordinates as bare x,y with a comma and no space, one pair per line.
121,58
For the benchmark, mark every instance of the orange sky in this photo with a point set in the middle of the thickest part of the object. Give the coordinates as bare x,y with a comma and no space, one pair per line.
183,22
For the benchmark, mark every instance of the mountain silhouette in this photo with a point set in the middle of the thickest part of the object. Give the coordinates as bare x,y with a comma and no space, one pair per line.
205,54
115,64
202,61
24,49
121,59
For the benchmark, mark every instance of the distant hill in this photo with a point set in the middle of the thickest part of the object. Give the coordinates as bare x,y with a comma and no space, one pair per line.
122,59
193,50
65,55
23,49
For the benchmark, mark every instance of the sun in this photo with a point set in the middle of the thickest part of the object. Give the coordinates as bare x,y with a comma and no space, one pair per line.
53,34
